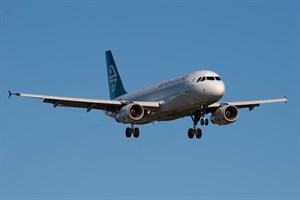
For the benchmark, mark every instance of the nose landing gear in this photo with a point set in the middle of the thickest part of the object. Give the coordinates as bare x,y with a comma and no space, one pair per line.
204,121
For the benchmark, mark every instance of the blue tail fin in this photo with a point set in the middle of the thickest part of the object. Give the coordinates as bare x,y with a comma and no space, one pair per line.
115,84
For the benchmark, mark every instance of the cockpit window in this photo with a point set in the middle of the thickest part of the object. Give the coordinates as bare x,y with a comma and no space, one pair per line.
199,79
210,78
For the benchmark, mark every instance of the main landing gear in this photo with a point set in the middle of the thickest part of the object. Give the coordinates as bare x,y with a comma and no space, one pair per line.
199,115
132,131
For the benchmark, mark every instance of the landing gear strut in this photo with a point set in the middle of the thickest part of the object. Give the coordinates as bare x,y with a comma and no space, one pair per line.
199,115
132,131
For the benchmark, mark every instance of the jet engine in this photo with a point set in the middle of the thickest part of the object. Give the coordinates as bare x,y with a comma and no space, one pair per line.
225,115
130,113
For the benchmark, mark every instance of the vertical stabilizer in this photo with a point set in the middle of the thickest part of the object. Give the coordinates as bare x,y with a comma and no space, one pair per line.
115,84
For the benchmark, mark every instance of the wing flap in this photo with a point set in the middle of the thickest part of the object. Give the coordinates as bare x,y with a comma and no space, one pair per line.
89,104
247,104
83,104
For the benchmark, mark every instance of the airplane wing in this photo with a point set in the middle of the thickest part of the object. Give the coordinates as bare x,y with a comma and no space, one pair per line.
89,104
246,104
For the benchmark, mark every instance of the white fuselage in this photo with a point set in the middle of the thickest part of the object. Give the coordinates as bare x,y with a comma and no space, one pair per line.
179,97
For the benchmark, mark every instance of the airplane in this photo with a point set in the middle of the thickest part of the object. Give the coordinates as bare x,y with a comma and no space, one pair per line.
195,94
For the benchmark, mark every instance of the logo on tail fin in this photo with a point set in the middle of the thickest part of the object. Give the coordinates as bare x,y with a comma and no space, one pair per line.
113,77
115,84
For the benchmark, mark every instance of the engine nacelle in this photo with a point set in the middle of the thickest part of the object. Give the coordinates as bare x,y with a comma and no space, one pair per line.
130,113
225,115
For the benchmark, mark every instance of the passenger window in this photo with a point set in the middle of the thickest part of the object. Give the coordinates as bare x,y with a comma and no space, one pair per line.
218,78
210,78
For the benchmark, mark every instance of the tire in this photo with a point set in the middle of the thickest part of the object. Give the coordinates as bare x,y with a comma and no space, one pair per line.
128,132
136,133
199,133
191,133
206,122
202,121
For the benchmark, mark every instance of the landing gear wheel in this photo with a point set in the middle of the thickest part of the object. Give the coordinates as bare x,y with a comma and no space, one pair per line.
191,133
128,132
206,122
202,121
198,133
198,116
136,132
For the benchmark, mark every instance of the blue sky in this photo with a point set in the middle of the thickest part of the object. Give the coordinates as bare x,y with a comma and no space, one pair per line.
57,48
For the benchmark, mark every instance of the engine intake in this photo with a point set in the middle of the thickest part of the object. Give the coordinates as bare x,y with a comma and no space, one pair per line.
130,113
225,115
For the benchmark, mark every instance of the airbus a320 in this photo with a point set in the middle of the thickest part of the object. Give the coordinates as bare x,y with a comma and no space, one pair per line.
196,94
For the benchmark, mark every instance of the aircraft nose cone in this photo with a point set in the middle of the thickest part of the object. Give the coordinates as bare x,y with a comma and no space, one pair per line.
218,91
